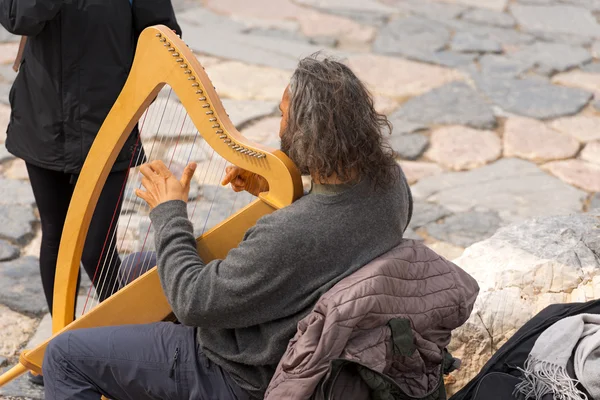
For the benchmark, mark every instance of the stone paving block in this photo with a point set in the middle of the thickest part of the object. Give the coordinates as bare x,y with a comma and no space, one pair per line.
20,192
417,170
515,189
465,229
6,36
550,58
4,154
489,17
500,66
459,148
411,34
232,80
452,104
596,49
430,9
21,286
8,251
242,111
579,173
398,78
573,40
534,98
15,329
366,6
409,146
584,128
556,18
21,388
497,5
467,42
533,140
595,202
591,152
579,79
4,119
425,213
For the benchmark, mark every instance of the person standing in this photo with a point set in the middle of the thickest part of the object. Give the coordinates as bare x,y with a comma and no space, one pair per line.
74,64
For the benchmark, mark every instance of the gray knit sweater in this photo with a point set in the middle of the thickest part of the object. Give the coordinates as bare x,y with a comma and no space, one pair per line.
246,306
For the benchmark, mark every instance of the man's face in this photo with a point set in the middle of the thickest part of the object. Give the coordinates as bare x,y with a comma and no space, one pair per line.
284,107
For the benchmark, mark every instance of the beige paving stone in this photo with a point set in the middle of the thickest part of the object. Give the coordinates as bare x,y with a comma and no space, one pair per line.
316,24
582,174
533,140
384,105
17,170
208,61
416,170
8,52
241,81
591,152
398,78
579,79
446,250
584,128
264,9
15,330
264,131
461,148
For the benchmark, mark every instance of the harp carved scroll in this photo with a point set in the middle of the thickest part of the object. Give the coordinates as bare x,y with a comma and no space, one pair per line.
162,61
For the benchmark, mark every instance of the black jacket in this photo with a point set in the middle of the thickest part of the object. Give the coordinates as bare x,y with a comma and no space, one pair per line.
75,63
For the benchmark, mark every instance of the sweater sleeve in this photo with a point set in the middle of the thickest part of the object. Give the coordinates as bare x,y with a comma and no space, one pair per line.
244,289
27,17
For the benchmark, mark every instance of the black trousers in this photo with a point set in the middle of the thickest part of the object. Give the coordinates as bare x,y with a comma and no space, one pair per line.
137,362
53,191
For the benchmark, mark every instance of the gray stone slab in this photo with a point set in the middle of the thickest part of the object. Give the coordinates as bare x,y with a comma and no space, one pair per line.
366,6
21,388
592,5
514,188
207,20
425,213
430,9
489,17
16,223
365,18
533,97
412,235
591,67
563,38
20,192
500,66
467,228
7,74
468,42
596,49
277,33
411,35
550,58
402,127
21,286
454,103
267,51
596,104
556,18
243,111
409,146
6,36
8,251
507,37
4,92
595,202
4,154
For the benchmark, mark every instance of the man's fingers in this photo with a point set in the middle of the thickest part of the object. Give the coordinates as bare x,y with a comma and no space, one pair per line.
147,183
160,168
232,173
187,175
142,195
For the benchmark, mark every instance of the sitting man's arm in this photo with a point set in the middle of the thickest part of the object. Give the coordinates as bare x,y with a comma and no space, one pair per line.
251,285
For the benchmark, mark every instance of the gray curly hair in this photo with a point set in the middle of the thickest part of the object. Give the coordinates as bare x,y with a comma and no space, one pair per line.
332,125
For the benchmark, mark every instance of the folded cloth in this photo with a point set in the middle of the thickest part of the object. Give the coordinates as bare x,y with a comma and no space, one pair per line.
546,366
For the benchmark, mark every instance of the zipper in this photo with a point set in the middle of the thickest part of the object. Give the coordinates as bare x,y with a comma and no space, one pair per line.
174,364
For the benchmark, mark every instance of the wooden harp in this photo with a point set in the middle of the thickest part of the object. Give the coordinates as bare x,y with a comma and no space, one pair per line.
162,61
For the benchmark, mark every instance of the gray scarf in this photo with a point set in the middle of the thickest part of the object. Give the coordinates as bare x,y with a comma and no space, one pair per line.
546,366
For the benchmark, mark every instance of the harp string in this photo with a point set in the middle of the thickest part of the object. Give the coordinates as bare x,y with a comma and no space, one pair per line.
98,291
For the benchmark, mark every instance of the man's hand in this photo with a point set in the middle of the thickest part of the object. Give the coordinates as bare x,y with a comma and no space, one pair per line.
162,186
241,179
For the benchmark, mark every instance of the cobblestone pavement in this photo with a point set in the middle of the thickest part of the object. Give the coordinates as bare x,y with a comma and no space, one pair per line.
495,106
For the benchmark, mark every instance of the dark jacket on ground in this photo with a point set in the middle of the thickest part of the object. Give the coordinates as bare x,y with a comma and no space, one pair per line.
75,63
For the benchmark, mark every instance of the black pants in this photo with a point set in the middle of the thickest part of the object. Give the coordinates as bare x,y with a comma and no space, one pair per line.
138,362
53,191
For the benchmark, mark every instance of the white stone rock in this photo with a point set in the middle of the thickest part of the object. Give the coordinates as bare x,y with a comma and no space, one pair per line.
520,270
591,152
15,329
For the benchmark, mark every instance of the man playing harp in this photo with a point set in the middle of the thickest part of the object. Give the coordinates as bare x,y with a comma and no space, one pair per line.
238,314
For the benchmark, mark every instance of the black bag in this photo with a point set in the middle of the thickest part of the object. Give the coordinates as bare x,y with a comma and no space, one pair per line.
498,377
